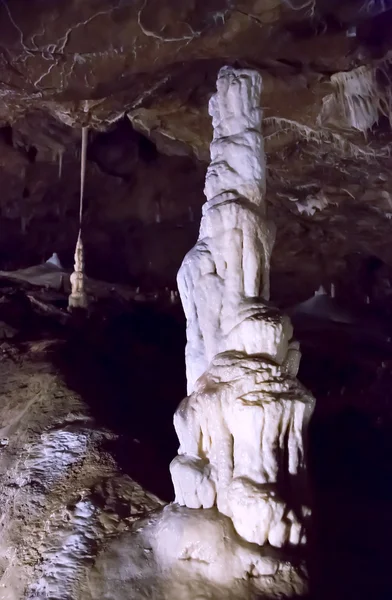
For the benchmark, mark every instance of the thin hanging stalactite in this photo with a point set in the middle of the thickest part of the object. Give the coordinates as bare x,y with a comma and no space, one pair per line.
82,172
60,158
78,297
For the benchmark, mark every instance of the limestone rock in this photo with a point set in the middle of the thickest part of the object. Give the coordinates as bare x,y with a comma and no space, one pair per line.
182,553
61,492
242,429
229,266
246,422
78,297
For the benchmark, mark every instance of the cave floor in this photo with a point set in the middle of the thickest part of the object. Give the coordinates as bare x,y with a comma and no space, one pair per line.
86,437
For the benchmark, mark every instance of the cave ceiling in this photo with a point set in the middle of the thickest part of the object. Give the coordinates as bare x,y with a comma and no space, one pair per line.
139,74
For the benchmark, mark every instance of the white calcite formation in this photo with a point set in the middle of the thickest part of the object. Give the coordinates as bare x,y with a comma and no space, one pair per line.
242,428
224,275
241,432
78,297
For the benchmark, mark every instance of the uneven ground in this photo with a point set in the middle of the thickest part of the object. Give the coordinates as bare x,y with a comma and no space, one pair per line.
86,410
68,480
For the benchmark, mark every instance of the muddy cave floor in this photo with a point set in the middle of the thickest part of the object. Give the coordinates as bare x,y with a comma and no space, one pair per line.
126,364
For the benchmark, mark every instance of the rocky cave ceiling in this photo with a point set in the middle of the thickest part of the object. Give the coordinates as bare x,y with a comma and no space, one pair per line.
139,74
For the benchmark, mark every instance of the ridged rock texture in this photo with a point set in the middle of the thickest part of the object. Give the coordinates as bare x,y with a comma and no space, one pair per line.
242,428
78,297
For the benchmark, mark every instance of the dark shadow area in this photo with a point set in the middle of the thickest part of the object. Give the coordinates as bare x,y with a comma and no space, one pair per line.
352,520
129,368
131,372
350,459
126,361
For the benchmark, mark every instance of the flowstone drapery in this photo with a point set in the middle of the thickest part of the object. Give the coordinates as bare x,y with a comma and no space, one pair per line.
242,427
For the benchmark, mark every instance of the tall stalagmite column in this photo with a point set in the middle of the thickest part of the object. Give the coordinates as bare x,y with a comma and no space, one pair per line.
242,427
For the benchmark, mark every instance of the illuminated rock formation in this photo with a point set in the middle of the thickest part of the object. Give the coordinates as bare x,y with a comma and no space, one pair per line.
243,426
224,275
78,296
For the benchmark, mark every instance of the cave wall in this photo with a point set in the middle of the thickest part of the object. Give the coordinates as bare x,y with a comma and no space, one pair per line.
140,213
143,202
140,74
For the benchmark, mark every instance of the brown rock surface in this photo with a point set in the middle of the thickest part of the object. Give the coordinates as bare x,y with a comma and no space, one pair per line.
153,64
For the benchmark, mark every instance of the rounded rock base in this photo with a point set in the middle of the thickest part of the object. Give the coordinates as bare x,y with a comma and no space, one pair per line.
184,554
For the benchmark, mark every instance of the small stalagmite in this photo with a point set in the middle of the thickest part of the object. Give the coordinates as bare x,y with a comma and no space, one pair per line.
78,297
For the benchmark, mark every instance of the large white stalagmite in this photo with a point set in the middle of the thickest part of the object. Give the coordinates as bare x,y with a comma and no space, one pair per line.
242,428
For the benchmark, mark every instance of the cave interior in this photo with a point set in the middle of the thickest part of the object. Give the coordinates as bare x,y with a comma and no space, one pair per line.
138,75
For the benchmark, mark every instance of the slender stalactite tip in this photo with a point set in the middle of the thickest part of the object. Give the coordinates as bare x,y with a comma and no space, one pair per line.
60,159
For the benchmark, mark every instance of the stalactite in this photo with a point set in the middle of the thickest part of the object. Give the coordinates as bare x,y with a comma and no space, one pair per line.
158,216
60,159
78,297
359,97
